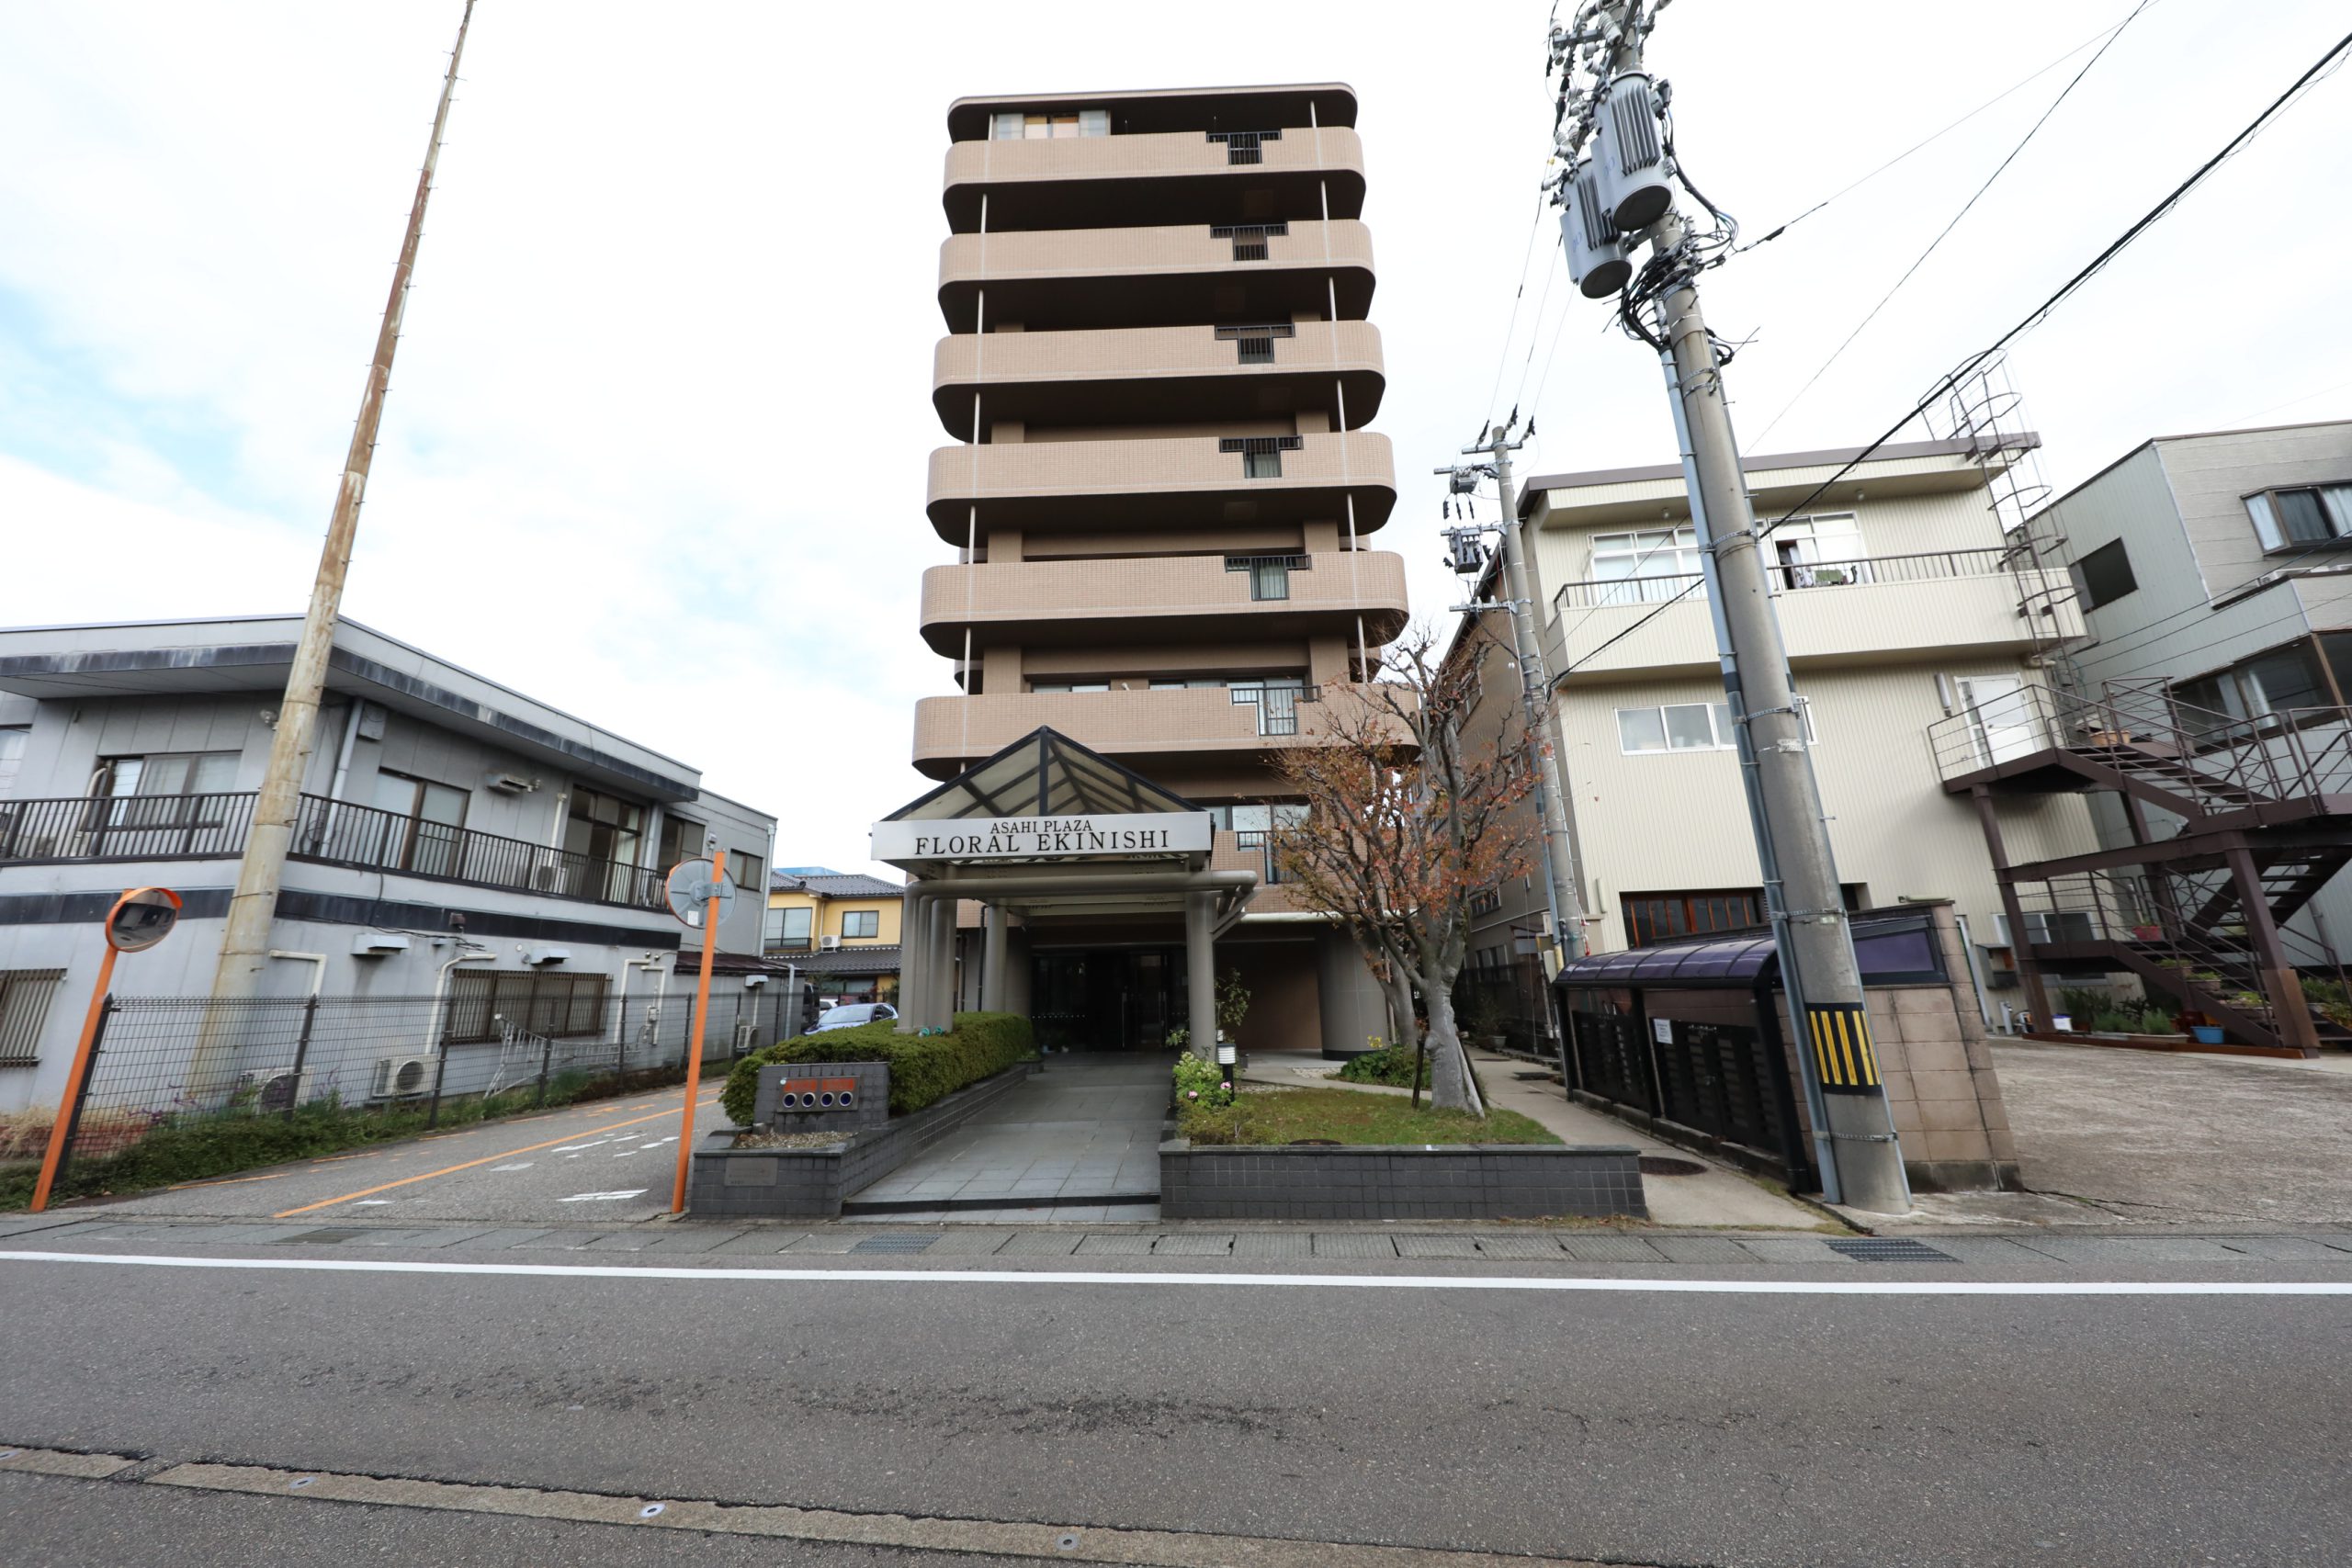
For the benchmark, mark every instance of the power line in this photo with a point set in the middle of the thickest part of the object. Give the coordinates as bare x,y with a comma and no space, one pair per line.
2005,93
1945,232
1502,356
2031,319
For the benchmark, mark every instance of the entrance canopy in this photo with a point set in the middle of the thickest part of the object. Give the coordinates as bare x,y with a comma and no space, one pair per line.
1063,836
1892,946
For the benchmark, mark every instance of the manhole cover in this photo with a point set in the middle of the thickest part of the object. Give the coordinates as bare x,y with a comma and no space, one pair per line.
894,1242
1667,1165
331,1233
1884,1249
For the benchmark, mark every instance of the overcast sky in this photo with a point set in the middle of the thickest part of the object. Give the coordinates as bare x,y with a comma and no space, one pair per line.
655,446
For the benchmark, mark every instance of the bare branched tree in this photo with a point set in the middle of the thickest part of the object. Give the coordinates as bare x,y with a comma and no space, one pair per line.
1407,822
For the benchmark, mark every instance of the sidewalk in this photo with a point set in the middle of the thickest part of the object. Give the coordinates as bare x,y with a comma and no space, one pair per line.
1714,1196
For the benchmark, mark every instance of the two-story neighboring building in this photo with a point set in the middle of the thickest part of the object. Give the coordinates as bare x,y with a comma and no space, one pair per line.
441,813
1900,604
2208,711
842,929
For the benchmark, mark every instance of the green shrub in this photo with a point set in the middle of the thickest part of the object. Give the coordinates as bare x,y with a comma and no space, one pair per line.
925,1069
1390,1064
1202,1083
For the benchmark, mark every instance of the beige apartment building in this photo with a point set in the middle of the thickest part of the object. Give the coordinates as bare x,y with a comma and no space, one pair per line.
1905,608
1159,495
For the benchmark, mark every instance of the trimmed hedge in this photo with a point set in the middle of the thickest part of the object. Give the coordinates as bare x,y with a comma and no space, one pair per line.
925,1069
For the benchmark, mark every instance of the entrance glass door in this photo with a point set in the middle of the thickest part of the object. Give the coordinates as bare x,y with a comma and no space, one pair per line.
1107,1000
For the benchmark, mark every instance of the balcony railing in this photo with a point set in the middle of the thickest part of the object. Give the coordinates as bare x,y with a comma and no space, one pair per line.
1791,577
215,826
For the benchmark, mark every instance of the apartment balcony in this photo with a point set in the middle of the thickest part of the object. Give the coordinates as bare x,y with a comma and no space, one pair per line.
1191,481
214,827
1189,274
1184,176
1243,371
1832,613
1134,725
1206,599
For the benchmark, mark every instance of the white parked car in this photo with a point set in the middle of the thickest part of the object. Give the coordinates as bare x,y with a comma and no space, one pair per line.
851,1015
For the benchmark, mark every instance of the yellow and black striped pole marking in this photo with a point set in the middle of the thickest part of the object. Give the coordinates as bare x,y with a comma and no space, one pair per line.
1842,1047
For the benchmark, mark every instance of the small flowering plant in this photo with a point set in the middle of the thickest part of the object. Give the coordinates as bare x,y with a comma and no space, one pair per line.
1200,1082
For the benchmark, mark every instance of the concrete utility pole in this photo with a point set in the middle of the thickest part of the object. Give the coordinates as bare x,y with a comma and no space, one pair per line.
1544,751
1862,1163
253,907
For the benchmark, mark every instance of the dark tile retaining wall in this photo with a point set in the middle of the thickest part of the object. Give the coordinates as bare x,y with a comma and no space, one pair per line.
802,1184
1471,1182
869,1107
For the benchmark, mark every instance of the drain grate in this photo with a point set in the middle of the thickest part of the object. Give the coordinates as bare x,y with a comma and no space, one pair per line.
1667,1165
331,1233
895,1243
1884,1249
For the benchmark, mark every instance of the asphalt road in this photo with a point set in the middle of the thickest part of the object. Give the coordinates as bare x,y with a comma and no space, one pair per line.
613,1160
1646,1427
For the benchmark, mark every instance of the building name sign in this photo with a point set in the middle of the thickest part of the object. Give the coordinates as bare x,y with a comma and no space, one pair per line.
1046,838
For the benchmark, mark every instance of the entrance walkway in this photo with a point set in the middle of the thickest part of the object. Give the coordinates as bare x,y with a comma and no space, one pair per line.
1080,1139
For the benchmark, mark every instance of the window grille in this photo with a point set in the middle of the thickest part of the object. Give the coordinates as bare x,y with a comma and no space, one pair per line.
1249,239
1262,456
1269,575
1257,342
23,1008
1244,146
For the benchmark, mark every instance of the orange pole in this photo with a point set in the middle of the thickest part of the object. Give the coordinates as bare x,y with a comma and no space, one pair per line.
55,1156
702,1021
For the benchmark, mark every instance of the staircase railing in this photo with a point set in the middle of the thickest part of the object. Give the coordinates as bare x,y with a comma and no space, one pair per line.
2108,906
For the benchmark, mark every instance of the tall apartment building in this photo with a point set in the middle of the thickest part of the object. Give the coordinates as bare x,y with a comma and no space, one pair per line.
1157,373
1902,608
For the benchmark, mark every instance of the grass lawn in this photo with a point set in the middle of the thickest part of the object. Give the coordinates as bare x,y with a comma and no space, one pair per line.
1349,1116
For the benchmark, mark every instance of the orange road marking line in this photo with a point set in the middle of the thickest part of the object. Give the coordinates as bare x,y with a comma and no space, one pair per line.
468,1165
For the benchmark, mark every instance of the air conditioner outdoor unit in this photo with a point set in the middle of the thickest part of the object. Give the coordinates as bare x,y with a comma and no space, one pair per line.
398,1077
829,944
512,783
746,1038
280,1090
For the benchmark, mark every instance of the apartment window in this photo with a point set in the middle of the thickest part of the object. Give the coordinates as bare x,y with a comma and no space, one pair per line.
1276,698
422,824
2104,576
603,827
1255,346
173,796
1177,684
789,928
1018,127
1689,727
747,870
861,924
1069,685
14,738
2277,682
1269,575
557,1006
1249,239
2286,519
1652,917
171,772
1645,567
24,1007
1244,146
1820,552
1262,456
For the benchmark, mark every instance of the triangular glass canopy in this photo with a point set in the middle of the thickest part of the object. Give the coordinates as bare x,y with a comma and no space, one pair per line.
1043,773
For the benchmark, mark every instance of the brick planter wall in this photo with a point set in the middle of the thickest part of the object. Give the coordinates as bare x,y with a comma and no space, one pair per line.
1469,1181
728,1183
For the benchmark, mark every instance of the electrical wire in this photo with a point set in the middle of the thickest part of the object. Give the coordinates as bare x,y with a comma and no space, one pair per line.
2007,92
1502,357
2032,319
1945,232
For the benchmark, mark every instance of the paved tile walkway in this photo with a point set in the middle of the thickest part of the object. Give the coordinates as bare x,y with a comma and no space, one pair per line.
1083,1131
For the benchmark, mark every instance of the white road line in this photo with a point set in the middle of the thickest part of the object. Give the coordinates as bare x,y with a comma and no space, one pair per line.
1324,1282
373,1203
603,1196
525,1166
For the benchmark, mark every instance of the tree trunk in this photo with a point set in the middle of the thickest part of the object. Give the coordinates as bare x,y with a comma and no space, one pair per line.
1451,1084
1399,991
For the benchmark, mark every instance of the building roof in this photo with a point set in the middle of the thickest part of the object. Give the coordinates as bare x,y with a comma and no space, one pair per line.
873,958
1832,456
1891,945
835,884
1147,108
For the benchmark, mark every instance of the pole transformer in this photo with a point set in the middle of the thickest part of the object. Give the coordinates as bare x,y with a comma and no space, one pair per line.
253,907
1617,195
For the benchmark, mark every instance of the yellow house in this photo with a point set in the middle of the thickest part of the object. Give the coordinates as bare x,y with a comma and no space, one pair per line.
840,930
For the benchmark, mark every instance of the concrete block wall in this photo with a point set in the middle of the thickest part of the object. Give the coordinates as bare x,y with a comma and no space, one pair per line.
1366,1182
1940,1088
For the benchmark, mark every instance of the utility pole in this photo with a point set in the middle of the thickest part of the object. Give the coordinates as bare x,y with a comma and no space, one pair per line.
1615,198
253,907
1544,751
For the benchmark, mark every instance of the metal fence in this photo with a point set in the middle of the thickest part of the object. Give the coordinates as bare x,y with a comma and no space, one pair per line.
186,1064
